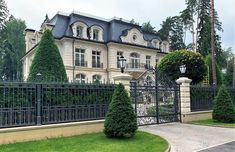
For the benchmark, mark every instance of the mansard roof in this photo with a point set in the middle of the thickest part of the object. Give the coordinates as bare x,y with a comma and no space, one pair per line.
113,28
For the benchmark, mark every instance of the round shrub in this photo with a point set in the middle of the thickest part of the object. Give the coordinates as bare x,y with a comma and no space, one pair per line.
218,71
223,109
121,119
195,66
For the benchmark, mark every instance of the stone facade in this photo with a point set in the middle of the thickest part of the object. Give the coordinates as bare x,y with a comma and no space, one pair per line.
110,38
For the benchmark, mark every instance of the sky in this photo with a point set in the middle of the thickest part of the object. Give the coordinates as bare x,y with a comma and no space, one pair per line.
155,11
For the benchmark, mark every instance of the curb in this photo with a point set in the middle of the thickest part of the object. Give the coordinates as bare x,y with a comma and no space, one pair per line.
169,146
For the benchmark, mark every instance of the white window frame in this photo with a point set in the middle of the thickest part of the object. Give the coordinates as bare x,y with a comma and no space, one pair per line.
80,78
96,78
96,59
81,56
134,60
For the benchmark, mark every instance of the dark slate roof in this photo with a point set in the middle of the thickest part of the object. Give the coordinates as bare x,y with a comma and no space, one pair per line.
113,29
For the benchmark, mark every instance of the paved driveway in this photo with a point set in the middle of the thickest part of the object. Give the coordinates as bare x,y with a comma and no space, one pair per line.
190,138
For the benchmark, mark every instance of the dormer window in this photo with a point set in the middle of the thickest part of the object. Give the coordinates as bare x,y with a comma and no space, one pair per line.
155,43
165,46
79,31
96,35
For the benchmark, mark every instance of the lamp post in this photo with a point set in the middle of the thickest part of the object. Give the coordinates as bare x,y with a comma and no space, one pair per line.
38,77
122,63
182,70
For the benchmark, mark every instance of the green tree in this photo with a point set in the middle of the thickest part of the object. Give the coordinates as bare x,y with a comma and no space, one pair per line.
177,34
147,27
195,65
172,30
3,13
120,120
47,60
166,27
13,48
223,109
228,78
208,61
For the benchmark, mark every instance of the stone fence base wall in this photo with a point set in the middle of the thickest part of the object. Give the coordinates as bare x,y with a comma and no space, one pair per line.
194,116
29,133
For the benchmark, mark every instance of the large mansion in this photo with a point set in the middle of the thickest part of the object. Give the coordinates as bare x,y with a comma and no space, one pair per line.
91,46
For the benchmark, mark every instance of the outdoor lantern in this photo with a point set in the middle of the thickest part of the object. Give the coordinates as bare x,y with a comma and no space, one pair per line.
183,69
39,77
122,63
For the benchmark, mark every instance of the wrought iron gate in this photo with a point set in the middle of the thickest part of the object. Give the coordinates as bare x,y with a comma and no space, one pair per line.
155,98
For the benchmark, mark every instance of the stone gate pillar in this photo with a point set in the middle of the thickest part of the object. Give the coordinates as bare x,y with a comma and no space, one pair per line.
184,97
124,79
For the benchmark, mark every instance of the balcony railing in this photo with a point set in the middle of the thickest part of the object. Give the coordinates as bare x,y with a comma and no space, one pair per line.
97,65
81,63
138,66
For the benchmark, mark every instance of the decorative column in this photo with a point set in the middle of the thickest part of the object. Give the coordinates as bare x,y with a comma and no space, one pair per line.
184,97
124,79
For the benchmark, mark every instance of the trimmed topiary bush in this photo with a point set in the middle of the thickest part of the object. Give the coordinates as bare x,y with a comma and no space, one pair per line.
121,119
47,61
223,109
196,67
218,71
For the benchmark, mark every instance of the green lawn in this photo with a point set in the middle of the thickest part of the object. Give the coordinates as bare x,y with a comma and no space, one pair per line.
211,122
142,142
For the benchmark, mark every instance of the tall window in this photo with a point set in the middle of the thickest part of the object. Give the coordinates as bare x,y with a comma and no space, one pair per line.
135,60
96,59
79,57
119,54
79,31
148,62
96,34
96,78
164,46
80,78
155,44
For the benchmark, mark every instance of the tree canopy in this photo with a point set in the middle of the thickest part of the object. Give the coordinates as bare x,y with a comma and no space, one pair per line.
195,65
3,13
147,27
12,48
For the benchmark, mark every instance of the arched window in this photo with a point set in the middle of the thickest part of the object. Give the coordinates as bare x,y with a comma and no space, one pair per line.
80,78
96,78
155,43
96,33
165,46
135,61
79,30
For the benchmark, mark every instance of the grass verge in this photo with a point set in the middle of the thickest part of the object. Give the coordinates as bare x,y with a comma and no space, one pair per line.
97,142
211,122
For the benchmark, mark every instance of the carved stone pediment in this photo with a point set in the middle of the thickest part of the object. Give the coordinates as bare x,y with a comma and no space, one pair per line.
134,36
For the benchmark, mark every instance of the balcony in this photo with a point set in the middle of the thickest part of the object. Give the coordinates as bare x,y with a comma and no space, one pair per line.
80,63
97,65
138,66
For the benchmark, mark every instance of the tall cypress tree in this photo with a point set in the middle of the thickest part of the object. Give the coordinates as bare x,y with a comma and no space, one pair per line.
3,12
47,61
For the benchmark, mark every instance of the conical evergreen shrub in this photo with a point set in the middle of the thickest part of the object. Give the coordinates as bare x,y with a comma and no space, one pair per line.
47,61
121,119
223,109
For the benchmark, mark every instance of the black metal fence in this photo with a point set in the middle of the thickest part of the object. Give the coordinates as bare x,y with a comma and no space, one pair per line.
24,104
202,97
